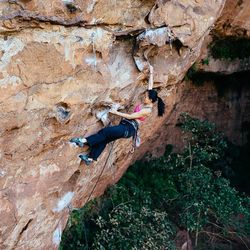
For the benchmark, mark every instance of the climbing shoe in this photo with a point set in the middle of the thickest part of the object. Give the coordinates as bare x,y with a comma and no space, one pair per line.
78,141
86,159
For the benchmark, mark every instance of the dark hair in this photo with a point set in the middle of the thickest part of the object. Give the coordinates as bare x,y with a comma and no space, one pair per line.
153,96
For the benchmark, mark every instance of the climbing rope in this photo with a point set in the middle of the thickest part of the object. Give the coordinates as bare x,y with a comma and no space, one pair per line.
93,189
70,208
111,148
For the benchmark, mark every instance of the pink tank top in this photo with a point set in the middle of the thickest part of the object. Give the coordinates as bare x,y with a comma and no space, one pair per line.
137,109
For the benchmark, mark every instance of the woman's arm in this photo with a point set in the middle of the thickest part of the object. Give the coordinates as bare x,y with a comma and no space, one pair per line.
142,113
151,78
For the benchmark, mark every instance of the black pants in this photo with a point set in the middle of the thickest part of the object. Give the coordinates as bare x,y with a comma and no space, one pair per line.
98,141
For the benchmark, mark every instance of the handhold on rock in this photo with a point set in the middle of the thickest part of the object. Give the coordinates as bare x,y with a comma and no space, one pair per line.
26,1
72,7
62,112
102,115
157,36
146,41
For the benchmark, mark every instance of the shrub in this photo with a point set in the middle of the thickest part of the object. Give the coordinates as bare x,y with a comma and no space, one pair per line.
127,228
155,198
230,48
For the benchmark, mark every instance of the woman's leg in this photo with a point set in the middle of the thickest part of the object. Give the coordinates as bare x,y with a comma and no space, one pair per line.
98,142
96,150
106,135
103,135
94,153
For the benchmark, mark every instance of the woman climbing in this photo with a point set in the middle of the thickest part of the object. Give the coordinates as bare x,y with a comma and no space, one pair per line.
127,128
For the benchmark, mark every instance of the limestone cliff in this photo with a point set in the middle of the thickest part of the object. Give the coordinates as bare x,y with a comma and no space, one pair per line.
234,20
60,62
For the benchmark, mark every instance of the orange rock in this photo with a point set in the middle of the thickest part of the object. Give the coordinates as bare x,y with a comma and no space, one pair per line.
54,70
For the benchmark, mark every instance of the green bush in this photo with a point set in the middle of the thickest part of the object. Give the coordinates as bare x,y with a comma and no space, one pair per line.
208,197
230,48
156,197
127,228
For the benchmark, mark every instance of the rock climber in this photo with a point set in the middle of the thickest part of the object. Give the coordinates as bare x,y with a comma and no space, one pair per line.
127,128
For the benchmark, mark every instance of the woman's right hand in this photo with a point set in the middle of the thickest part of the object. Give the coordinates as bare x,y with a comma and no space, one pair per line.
113,111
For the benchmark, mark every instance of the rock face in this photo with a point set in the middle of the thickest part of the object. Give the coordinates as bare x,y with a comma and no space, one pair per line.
61,62
234,20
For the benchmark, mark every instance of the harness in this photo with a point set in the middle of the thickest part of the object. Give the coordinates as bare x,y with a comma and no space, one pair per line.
136,138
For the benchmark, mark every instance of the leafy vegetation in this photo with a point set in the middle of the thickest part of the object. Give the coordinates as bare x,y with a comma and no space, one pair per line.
205,61
230,48
191,72
158,197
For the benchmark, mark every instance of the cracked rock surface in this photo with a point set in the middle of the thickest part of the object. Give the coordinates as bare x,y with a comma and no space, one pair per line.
59,64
